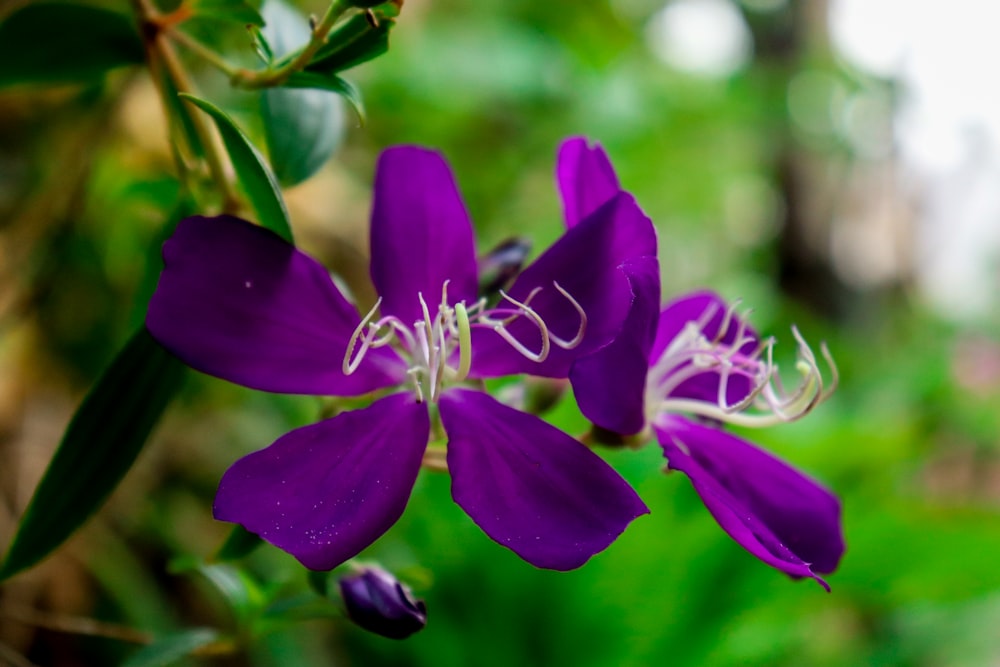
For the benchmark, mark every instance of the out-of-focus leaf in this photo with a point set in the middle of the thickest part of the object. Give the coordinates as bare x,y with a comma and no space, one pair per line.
241,592
54,42
170,648
239,543
180,118
184,207
262,46
319,581
303,127
227,10
330,82
254,175
102,441
353,42
302,607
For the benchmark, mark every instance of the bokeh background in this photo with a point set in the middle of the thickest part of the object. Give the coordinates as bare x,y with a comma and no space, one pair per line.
832,163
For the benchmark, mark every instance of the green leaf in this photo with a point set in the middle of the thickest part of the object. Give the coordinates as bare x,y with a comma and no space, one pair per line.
254,175
303,607
353,42
319,581
261,46
243,595
239,543
238,11
182,127
170,648
302,127
102,441
330,82
54,42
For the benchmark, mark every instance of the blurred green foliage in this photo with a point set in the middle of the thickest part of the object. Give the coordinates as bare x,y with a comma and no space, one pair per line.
908,442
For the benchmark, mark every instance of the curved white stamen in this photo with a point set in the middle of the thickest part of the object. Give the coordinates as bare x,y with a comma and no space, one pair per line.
348,366
425,329
834,372
578,338
440,359
727,319
523,309
691,355
414,374
399,329
438,343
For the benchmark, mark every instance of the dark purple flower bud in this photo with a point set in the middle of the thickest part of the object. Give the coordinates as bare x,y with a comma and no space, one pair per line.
499,266
379,603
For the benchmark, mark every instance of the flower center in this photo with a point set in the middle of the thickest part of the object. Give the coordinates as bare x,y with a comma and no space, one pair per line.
748,388
438,347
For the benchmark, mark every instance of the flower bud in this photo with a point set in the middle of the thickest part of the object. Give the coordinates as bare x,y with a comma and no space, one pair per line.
379,603
499,266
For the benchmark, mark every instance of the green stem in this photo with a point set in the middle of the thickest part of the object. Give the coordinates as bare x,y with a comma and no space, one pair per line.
275,77
161,49
204,52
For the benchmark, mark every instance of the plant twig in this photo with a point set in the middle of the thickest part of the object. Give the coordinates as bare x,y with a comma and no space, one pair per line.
161,51
77,625
320,33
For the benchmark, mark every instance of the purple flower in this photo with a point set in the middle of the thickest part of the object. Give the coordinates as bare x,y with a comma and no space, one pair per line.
237,302
379,603
697,357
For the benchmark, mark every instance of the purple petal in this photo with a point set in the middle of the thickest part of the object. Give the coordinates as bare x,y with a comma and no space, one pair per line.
587,262
325,492
237,302
692,308
531,487
585,177
421,235
610,384
778,514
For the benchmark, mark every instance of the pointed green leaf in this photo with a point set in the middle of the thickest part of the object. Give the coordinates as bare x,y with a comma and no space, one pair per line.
102,441
55,42
168,649
254,175
261,46
353,42
302,127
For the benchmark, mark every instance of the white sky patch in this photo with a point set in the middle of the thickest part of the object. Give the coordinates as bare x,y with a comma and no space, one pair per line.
944,55
701,37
